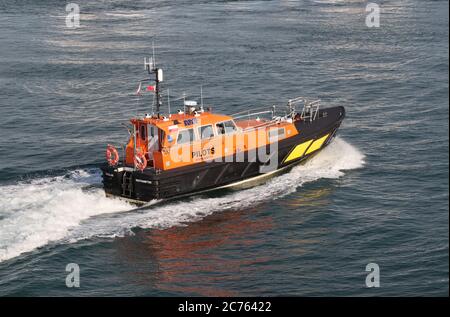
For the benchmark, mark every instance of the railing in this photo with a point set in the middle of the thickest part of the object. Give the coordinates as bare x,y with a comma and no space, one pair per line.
253,112
310,112
310,109
270,118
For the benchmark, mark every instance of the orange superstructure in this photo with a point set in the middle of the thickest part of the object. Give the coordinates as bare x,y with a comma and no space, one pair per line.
184,139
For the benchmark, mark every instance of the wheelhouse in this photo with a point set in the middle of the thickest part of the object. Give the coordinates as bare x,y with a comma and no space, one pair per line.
183,139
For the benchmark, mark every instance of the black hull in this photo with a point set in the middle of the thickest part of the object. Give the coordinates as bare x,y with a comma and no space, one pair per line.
141,187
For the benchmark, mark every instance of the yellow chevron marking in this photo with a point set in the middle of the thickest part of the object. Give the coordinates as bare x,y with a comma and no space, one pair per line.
317,144
298,151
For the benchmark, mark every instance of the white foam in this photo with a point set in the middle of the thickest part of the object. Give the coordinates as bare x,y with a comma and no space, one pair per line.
330,163
57,209
43,210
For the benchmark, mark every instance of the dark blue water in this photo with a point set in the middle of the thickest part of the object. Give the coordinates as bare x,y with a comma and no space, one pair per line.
379,193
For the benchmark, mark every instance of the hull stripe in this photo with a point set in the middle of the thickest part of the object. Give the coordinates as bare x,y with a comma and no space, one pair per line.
317,144
298,151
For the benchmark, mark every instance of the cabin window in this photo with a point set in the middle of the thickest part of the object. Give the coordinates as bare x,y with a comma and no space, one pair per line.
153,140
226,127
162,137
206,132
185,136
276,134
143,132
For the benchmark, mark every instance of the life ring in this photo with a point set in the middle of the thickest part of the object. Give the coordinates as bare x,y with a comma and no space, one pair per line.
140,162
112,156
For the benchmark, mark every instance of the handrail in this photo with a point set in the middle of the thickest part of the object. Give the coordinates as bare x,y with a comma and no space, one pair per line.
248,111
296,100
310,110
252,114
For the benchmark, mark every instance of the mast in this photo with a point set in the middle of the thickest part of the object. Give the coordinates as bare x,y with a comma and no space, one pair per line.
157,91
150,65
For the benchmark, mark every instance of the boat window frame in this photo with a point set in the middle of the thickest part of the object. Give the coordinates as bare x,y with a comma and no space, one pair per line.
194,136
152,128
209,137
236,130
161,137
143,128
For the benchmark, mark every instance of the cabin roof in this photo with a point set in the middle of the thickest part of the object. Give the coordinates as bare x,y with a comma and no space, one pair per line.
184,120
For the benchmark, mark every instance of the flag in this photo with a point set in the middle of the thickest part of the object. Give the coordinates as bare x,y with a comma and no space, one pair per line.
148,88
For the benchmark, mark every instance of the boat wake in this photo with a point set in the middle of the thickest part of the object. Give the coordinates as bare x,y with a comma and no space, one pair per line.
60,210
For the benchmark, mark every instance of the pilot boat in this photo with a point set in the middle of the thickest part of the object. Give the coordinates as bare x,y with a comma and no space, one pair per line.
193,150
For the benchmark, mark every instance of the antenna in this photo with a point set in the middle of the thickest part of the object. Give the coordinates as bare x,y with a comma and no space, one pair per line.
154,58
148,64
168,100
201,96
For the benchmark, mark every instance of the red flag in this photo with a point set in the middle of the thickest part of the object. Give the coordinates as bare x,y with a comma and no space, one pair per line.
150,88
